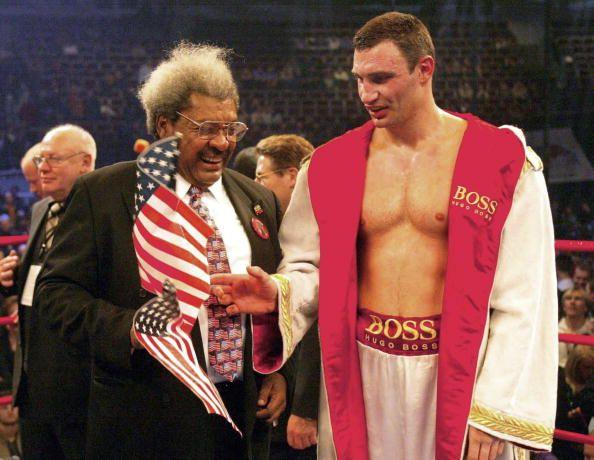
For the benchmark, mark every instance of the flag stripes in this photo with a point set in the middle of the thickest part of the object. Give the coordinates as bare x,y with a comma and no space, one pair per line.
170,242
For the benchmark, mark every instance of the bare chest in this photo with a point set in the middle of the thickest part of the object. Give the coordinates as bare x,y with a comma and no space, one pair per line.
411,189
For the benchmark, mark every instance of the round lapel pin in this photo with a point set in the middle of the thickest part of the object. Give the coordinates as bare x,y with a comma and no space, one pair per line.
260,228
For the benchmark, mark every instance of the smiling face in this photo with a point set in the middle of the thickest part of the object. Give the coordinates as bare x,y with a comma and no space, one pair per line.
201,161
387,89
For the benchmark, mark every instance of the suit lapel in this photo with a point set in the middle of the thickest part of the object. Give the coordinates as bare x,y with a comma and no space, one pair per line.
244,206
37,215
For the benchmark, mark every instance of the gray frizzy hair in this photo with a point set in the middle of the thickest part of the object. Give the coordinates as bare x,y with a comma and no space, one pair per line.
189,68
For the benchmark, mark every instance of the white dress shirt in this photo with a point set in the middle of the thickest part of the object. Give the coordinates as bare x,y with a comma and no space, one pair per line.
239,251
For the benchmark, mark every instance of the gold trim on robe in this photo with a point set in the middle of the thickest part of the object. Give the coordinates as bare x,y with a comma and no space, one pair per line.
512,426
284,308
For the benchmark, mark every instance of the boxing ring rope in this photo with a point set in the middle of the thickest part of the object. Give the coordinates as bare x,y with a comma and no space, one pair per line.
576,339
8,320
574,246
560,245
10,240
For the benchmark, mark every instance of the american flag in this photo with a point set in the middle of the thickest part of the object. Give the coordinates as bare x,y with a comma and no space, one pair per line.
170,244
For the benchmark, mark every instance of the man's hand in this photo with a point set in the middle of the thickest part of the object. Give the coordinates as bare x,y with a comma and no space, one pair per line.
272,397
302,432
483,446
134,340
254,293
7,267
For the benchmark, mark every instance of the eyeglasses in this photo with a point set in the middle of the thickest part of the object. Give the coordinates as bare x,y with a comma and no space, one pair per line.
53,161
262,176
208,130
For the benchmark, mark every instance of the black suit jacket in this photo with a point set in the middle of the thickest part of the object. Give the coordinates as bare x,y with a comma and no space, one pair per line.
56,383
89,290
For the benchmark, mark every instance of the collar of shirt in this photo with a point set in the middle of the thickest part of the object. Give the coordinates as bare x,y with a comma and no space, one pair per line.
182,187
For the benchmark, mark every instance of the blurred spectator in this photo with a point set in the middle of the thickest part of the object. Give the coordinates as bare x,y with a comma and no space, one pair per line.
9,416
575,402
30,170
575,319
564,265
8,338
582,276
6,227
245,162
10,441
279,158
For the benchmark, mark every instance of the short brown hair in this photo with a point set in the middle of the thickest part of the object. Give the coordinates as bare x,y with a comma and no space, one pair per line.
285,150
579,368
404,30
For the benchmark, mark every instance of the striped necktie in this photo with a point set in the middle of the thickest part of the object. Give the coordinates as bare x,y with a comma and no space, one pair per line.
51,223
225,342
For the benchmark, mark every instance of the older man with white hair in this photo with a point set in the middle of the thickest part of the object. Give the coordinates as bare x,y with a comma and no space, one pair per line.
137,408
30,172
51,380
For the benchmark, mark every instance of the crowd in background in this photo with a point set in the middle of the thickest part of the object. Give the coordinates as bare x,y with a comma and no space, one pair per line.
292,79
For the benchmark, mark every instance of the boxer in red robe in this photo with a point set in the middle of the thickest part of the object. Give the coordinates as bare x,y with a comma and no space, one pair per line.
423,240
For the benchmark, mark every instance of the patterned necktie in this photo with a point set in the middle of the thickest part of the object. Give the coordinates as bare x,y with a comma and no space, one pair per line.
225,343
51,223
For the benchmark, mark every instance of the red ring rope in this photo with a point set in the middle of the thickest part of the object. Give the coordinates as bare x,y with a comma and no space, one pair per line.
574,246
9,240
574,437
577,339
560,245
7,320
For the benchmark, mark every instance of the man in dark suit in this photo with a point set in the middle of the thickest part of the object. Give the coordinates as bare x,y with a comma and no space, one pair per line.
137,408
279,158
50,380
